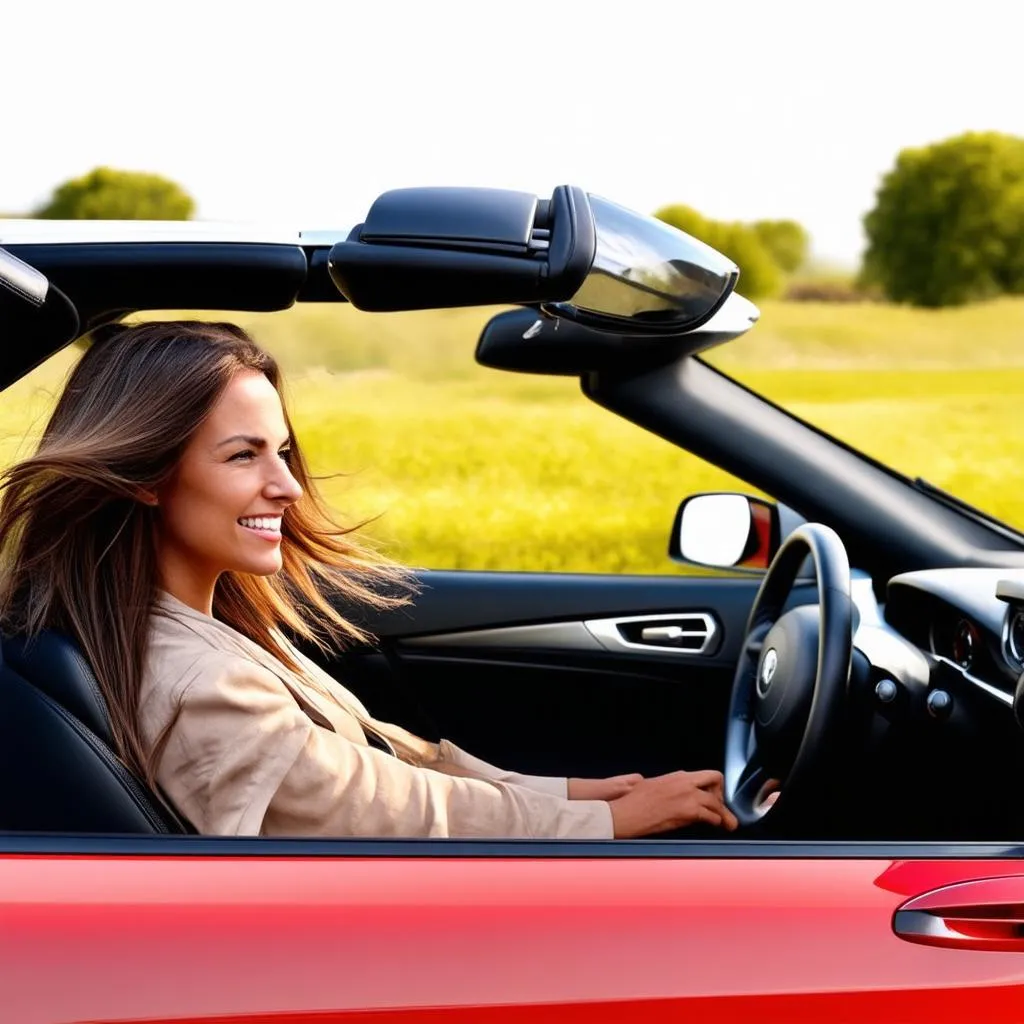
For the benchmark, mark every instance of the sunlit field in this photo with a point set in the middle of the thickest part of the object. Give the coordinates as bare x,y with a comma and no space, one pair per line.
471,468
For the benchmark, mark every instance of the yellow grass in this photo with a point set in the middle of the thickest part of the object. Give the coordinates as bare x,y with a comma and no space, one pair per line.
473,468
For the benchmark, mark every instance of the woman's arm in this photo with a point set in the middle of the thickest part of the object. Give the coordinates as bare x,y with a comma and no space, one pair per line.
242,758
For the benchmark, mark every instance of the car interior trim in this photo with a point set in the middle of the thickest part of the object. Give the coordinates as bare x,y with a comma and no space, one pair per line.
572,636
21,279
992,691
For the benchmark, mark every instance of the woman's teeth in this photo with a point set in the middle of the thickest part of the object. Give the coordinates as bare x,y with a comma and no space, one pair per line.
263,523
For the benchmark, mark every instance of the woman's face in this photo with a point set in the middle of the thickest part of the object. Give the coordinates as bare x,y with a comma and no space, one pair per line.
223,506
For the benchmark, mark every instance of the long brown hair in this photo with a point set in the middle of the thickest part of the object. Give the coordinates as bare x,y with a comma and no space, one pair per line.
78,543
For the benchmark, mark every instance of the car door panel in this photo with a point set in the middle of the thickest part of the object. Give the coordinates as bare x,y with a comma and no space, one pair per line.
486,938
515,667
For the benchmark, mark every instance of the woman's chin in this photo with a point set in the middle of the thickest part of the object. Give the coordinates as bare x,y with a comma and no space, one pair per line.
261,567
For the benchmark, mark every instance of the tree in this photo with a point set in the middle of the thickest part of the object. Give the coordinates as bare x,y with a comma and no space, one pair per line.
948,222
760,275
786,240
109,194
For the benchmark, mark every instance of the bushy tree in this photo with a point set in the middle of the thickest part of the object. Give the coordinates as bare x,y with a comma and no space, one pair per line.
760,275
109,194
948,222
686,218
786,240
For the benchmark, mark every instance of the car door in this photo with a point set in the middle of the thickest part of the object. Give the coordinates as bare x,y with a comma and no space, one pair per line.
205,930
562,674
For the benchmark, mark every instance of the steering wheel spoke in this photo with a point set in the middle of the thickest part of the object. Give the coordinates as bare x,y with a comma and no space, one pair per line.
754,643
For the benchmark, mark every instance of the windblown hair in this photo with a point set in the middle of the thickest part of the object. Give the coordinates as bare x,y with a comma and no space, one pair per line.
78,545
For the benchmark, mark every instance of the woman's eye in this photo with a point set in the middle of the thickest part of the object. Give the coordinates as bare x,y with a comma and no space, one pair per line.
243,456
285,454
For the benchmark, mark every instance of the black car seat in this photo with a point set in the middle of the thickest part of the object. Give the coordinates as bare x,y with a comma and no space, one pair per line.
57,752
58,771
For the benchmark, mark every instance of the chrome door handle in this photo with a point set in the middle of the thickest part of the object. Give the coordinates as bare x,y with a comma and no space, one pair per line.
682,633
656,633
984,914
956,931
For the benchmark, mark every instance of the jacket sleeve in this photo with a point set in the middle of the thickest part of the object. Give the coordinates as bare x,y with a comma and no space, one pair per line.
453,760
242,758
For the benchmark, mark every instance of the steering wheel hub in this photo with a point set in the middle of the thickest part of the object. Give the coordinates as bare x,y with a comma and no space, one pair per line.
785,685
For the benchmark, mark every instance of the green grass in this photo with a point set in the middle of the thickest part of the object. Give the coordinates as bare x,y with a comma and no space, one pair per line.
472,468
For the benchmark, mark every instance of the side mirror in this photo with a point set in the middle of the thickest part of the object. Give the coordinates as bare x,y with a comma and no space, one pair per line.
730,531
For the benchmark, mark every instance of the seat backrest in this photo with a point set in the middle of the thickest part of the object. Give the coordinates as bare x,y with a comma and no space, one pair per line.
58,770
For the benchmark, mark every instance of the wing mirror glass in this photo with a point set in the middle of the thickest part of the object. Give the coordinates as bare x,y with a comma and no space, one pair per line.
725,531
577,256
647,277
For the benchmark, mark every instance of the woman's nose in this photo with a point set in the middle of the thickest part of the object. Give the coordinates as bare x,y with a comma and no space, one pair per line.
284,486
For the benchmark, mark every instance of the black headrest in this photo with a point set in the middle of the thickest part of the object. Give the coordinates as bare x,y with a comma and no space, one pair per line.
55,665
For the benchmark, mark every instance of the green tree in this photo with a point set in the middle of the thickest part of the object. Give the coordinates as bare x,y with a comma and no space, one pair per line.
948,222
786,240
760,275
109,194
686,218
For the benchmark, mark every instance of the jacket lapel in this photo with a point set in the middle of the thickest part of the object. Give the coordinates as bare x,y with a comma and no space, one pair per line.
321,707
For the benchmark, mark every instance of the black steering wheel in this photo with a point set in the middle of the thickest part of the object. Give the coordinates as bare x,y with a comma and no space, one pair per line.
791,681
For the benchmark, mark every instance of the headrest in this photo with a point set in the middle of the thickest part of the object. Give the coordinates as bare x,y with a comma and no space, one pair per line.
55,665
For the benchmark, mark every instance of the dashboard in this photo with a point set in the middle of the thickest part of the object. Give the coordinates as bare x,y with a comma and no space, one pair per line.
938,696
971,620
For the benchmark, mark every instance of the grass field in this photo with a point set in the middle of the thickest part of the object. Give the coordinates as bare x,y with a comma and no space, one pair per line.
473,468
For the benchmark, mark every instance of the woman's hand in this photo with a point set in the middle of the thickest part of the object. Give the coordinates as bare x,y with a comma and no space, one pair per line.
602,789
669,802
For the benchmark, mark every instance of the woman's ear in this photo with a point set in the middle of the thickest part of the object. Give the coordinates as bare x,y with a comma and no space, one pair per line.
148,498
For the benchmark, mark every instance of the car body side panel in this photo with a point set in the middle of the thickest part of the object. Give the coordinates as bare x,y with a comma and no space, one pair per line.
390,939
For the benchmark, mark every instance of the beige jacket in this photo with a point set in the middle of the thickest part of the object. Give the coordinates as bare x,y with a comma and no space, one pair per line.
257,749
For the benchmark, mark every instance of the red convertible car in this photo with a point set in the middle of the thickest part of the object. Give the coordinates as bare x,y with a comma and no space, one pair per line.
865,649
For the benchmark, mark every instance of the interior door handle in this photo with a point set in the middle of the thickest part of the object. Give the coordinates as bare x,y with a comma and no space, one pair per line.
986,914
679,633
661,633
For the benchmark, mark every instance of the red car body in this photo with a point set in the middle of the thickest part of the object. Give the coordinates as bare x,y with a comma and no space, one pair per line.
311,940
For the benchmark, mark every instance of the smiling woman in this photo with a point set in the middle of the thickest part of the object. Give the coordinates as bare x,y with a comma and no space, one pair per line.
169,525
132,488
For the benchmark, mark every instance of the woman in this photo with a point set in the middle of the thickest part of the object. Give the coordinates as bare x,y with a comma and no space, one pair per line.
168,523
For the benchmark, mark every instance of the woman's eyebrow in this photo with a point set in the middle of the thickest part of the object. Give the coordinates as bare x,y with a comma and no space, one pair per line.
256,442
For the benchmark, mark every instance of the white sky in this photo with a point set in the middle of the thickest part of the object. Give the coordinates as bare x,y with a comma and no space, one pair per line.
300,113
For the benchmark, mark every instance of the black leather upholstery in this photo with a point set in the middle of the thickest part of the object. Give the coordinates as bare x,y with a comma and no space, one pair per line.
56,666
58,768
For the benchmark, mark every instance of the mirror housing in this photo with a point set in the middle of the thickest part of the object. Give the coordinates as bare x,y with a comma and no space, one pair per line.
730,531
647,277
